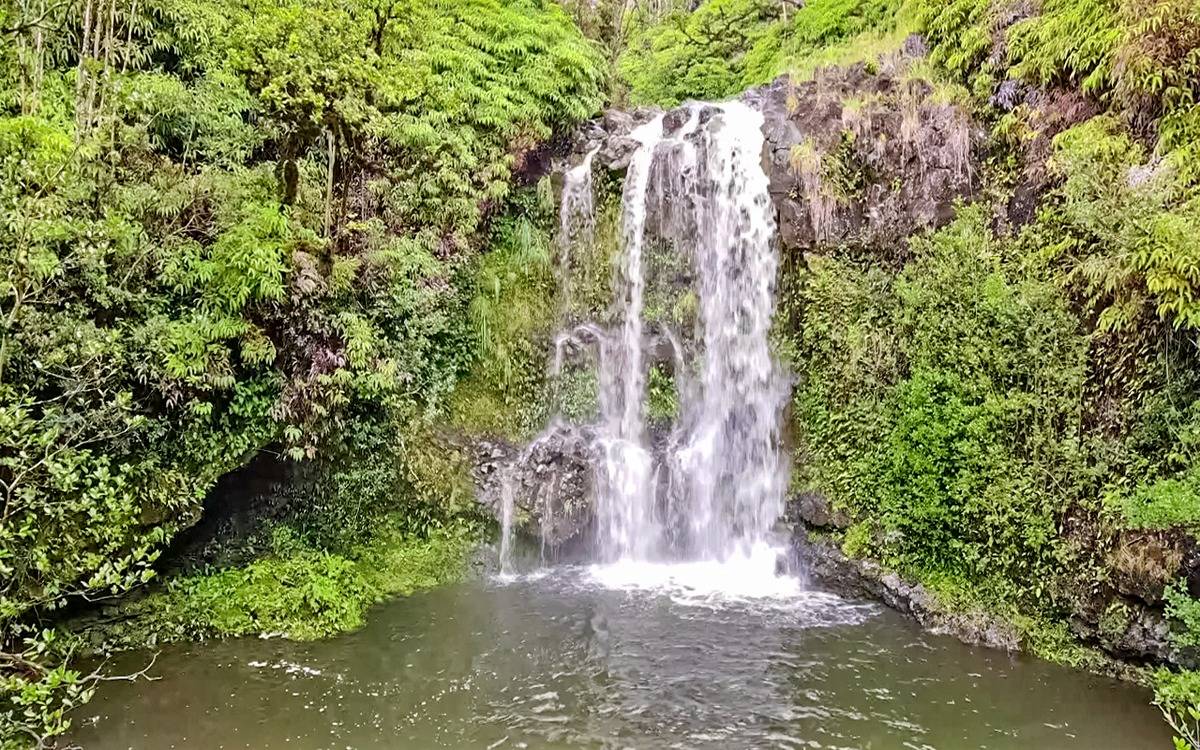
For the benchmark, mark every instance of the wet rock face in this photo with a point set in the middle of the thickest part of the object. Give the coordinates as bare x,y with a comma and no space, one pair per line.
864,159
816,511
1129,629
552,482
1130,633
853,157
611,134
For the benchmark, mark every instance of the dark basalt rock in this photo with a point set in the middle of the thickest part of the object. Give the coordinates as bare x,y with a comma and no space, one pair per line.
552,484
907,156
887,159
827,566
610,134
1130,631
815,510
1126,630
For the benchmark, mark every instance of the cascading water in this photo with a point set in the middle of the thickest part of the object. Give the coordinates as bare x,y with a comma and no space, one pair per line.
577,221
577,226
705,184
628,525
729,466
711,492
507,510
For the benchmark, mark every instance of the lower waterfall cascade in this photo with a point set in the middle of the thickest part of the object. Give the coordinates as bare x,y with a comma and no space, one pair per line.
713,489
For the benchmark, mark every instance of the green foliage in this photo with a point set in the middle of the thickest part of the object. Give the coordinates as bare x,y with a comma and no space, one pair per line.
848,358
723,46
97,366
936,403
662,399
406,475
579,395
829,32
35,698
243,227
1069,41
937,469
590,295
296,589
1127,228
1163,504
511,311
959,34
306,595
1139,56
1185,611
1177,695
695,54
858,540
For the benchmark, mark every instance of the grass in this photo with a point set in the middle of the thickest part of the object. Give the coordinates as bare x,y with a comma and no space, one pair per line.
295,590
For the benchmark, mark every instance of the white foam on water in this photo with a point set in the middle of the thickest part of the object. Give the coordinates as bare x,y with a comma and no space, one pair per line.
741,579
744,581
749,575
507,578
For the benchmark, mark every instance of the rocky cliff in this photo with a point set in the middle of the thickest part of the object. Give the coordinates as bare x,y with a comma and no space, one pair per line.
854,157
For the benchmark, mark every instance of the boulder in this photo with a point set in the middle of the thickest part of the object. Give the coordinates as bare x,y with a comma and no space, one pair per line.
815,510
551,481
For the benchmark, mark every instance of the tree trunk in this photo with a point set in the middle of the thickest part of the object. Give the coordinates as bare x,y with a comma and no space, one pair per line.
331,151
81,75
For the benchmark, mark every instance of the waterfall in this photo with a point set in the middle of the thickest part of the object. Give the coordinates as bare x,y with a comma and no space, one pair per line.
507,509
728,465
628,526
576,222
712,489
705,184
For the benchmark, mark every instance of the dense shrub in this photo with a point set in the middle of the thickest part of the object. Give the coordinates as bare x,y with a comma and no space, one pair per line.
1177,695
723,46
953,444
233,227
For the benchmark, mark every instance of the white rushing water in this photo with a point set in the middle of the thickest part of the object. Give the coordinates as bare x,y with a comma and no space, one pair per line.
693,510
507,510
577,222
628,523
729,465
705,184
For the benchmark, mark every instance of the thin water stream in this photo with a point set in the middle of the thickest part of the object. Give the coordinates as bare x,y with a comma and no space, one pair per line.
623,656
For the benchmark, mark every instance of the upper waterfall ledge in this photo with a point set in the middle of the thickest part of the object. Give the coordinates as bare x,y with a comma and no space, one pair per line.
854,157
